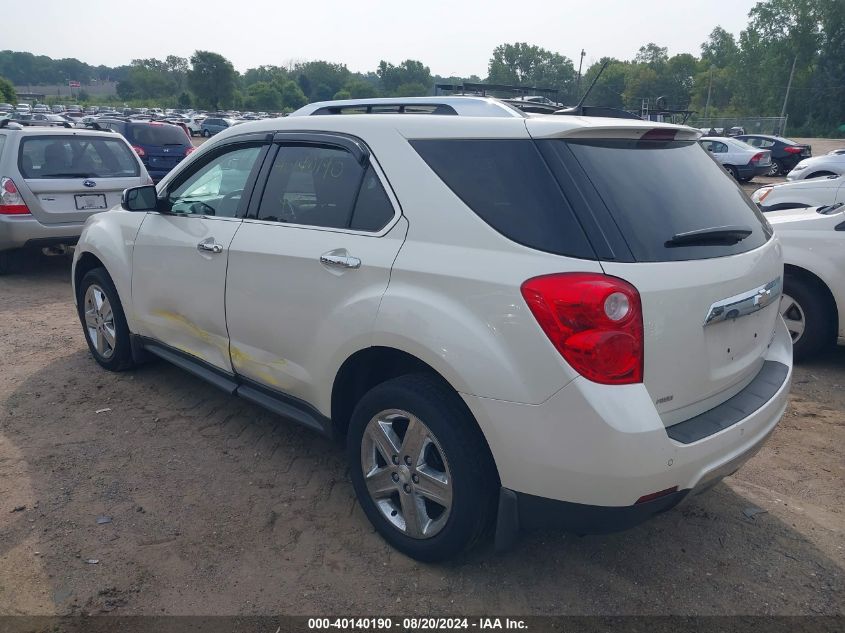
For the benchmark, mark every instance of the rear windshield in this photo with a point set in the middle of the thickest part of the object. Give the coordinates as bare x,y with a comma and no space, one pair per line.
157,134
657,190
76,157
508,185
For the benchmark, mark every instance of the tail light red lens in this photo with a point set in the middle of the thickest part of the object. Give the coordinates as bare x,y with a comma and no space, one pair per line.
11,201
792,149
189,150
139,150
757,157
595,322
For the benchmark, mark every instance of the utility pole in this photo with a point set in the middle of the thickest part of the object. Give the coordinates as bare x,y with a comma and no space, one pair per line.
580,63
788,86
709,88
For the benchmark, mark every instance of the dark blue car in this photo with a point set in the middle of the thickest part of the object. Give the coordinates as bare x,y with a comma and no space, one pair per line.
159,145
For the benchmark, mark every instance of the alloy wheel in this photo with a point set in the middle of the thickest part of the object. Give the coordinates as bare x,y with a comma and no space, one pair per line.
99,321
793,316
406,473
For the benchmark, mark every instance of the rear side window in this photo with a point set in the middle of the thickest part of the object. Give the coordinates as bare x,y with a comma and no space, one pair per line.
157,134
509,186
2,143
76,157
373,209
657,190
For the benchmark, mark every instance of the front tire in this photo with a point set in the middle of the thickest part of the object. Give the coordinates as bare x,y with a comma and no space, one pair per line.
103,321
807,316
421,469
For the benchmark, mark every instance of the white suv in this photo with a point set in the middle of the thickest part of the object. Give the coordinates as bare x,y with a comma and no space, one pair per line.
546,320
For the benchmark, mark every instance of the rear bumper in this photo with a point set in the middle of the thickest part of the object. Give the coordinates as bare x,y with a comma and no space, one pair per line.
582,459
25,231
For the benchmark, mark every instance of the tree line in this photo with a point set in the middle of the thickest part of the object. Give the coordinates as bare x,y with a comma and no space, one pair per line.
800,43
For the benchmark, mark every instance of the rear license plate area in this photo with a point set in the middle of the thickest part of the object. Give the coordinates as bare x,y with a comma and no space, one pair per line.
90,201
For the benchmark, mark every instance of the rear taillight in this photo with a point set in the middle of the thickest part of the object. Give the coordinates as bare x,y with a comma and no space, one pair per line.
11,201
139,150
793,149
594,321
189,150
757,157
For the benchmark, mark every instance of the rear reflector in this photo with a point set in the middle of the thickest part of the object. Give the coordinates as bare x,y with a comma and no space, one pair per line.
11,201
657,495
594,321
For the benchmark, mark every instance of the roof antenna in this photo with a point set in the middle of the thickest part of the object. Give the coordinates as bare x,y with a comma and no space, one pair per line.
578,110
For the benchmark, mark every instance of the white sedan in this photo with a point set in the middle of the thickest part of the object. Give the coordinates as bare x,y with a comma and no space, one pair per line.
830,164
741,159
813,192
813,299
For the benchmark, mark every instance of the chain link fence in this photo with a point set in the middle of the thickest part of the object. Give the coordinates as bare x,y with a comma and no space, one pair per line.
775,125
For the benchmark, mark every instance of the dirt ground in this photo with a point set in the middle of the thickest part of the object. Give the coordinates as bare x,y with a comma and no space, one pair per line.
218,507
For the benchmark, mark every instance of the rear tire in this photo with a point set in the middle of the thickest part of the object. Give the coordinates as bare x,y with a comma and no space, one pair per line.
388,426
103,321
807,315
206,133
733,171
776,169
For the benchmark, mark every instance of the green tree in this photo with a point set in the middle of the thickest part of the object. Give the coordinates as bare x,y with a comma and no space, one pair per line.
7,91
263,96
292,96
610,87
407,77
525,64
212,79
360,89
320,80
184,100
652,54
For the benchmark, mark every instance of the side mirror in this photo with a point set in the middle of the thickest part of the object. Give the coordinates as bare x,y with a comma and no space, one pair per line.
142,198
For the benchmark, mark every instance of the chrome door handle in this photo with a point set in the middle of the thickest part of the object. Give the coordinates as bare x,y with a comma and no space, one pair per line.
210,246
341,261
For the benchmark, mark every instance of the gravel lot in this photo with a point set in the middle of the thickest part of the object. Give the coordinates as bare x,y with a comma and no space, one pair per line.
217,507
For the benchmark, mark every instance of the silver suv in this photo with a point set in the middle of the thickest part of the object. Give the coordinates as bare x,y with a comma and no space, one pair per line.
52,179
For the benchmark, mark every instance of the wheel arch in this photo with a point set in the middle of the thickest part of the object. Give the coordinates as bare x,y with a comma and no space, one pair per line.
822,287
372,366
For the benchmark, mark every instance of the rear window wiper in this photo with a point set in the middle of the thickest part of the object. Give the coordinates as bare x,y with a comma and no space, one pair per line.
715,236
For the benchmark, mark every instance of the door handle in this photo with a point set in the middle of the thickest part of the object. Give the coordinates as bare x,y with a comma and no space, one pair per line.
210,246
340,261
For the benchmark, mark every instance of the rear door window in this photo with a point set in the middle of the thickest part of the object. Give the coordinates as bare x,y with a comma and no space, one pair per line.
656,190
311,185
76,157
509,186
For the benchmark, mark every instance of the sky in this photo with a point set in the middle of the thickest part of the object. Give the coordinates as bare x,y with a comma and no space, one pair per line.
452,37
